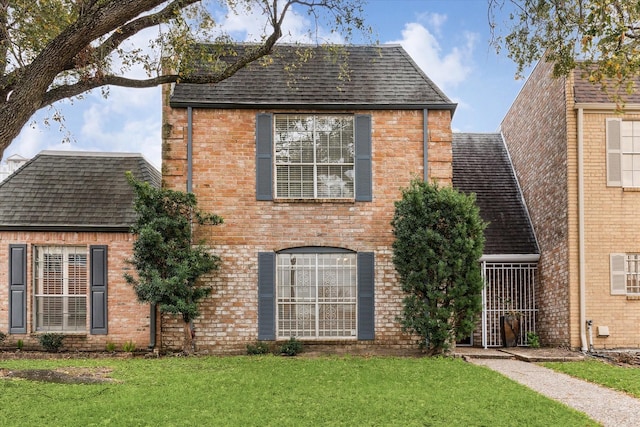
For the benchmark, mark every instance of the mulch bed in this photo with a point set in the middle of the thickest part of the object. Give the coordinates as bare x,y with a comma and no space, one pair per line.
620,358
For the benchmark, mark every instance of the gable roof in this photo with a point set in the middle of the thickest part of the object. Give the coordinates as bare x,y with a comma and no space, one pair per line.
481,165
380,77
62,190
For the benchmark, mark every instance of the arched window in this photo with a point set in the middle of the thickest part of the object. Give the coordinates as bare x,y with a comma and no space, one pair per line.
316,293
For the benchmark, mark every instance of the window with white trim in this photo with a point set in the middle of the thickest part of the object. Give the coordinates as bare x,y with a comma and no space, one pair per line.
630,152
623,153
316,295
60,298
314,156
625,274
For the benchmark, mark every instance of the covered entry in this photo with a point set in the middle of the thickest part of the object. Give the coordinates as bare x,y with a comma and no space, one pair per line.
481,166
510,285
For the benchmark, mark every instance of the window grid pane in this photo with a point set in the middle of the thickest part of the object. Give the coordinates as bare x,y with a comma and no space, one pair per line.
630,145
633,273
316,295
314,156
60,279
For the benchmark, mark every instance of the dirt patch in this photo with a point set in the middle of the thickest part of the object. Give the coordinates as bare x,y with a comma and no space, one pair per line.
69,375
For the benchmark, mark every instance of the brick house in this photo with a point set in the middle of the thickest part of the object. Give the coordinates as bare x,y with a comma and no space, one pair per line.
64,241
578,164
305,168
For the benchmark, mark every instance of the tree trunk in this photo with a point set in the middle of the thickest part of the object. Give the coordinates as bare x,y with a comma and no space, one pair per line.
188,346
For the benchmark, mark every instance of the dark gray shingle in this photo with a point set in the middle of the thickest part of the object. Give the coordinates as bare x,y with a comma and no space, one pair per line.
586,92
73,190
379,77
481,165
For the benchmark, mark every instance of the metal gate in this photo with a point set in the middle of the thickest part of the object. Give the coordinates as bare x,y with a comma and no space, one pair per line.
508,287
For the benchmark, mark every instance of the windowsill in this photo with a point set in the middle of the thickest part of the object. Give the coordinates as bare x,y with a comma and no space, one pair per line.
281,200
320,340
631,189
74,333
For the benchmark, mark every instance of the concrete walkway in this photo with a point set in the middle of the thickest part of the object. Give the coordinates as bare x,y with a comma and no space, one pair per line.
606,406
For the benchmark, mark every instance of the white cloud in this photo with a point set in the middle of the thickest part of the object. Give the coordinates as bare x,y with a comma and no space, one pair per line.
28,143
128,121
251,26
446,69
435,21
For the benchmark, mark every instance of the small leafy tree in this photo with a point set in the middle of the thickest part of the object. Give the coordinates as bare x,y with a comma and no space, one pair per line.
439,238
167,263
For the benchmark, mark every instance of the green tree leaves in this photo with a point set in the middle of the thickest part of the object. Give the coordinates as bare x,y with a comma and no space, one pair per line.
439,238
599,37
167,263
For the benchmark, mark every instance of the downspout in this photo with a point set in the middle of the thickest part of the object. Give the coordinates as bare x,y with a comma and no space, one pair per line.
581,255
152,326
425,144
189,149
190,180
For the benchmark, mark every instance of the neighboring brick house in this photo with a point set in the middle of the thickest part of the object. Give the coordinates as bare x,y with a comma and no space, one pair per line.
578,163
64,242
305,166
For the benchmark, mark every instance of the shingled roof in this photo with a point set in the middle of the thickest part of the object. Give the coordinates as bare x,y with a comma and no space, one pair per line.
73,191
379,77
481,165
586,92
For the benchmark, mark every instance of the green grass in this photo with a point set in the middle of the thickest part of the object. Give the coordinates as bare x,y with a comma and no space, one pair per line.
625,379
269,390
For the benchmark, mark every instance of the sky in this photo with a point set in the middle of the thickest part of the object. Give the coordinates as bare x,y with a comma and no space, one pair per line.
448,39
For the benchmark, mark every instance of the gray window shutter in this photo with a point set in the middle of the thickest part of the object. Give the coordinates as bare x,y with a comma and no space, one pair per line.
264,160
614,153
618,274
266,296
98,289
366,301
363,174
18,289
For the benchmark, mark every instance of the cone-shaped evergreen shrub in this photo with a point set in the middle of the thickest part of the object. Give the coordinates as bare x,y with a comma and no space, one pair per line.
439,238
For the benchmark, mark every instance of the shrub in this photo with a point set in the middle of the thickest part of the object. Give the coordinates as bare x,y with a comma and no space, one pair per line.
51,341
533,340
129,347
260,347
20,344
110,347
3,337
291,347
439,237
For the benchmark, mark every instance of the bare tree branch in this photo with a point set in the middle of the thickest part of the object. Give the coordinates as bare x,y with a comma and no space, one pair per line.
69,91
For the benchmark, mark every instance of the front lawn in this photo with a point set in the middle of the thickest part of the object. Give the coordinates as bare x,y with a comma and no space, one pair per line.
621,378
278,391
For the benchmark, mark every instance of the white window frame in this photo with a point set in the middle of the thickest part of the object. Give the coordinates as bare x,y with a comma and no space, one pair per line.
625,274
68,316
325,186
630,153
302,307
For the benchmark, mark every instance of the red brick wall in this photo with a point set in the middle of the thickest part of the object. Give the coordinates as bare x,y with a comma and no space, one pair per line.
224,181
535,131
127,319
